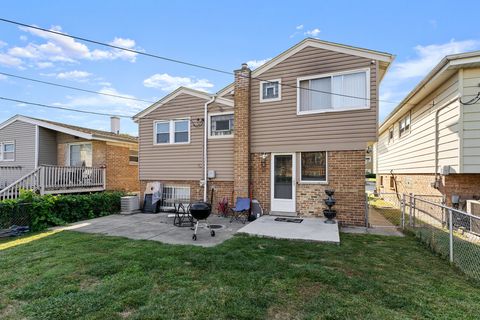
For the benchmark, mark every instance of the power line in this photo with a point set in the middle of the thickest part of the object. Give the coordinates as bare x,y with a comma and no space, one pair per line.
74,88
180,61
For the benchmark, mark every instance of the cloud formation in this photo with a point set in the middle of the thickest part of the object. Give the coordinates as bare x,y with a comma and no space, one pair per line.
166,82
312,33
254,64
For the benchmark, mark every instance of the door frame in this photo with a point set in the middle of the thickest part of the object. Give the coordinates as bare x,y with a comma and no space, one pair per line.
294,180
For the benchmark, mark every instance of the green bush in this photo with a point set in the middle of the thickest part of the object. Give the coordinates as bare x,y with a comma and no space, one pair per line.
41,212
370,175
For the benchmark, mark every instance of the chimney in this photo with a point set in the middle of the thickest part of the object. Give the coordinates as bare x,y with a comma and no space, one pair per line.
115,125
241,152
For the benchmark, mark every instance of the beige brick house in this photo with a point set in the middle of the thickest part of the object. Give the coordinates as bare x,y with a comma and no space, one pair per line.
282,133
430,143
63,158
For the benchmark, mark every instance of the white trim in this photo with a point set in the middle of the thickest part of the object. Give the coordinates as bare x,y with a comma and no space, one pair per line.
309,42
210,115
69,144
2,143
294,182
171,131
326,170
279,98
176,93
332,74
37,145
406,132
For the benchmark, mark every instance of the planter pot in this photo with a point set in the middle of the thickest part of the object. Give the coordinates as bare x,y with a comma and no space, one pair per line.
329,214
329,192
330,202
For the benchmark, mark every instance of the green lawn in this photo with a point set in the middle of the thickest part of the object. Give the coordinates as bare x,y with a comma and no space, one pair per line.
71,275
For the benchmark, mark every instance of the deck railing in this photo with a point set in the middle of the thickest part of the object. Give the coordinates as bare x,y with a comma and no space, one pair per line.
56,180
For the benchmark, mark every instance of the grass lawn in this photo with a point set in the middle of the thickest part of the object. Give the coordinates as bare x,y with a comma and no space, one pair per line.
72,275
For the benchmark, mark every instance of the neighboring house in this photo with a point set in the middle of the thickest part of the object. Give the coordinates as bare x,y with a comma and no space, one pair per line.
430,143
369,159
61,158
275,133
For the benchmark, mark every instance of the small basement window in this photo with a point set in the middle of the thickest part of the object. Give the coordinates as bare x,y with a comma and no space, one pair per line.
314,166
392,183
381,181
221,125
270,90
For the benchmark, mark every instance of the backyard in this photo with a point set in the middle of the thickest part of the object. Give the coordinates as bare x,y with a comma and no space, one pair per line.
71,275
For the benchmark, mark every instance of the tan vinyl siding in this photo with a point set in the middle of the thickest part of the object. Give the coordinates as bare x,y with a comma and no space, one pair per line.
23,134
276,127
47,153
471,122
182,162
414,152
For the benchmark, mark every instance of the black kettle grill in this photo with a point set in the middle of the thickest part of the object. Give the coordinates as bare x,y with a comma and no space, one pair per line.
201,211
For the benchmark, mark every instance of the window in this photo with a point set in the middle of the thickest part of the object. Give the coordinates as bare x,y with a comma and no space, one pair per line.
133,156
7,151
381,181
314,166
221,125
270,90
335,92
390,135
404,125
80,155
172,132
392,182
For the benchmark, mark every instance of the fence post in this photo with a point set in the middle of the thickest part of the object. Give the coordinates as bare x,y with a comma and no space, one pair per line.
403,211
410,222
450,231
366,210
414,202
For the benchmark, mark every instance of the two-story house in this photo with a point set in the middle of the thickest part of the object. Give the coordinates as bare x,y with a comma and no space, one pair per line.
283,133
430,143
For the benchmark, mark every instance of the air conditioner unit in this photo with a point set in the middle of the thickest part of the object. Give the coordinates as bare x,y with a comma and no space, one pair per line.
129,205
473,207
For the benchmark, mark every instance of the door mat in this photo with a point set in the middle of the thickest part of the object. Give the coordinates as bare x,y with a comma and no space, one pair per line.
293,220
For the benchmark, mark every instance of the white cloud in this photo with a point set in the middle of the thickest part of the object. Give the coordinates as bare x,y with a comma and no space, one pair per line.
43,65
3,44
9,61
312,33
166,82
428,56
299,27
73,75
23,37
254,64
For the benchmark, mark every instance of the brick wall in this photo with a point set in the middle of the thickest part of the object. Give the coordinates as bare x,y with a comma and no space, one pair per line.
241,152
121,174
260,177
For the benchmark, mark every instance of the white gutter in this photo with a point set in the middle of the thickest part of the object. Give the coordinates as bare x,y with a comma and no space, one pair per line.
205,148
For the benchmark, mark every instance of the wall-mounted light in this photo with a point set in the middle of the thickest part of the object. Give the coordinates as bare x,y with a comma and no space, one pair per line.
198,123
264,158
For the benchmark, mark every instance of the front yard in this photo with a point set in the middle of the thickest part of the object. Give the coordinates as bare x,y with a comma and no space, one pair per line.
73,275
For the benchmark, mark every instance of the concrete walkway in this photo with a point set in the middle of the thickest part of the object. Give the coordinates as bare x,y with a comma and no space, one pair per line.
157,227
310,229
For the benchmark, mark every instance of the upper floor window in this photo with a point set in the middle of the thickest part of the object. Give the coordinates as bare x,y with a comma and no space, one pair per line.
7,151
221,125
333,92
172,131
390,135
133,156
404,125
270,90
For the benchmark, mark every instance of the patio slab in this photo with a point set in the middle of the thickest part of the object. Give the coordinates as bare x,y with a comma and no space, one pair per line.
157,227
310,229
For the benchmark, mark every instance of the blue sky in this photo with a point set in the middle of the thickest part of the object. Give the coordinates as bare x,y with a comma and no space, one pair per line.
210,33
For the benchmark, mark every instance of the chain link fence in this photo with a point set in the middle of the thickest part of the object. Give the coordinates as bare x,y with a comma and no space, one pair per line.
15,219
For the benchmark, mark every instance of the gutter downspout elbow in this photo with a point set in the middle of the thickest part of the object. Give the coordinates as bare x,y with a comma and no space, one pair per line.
205,147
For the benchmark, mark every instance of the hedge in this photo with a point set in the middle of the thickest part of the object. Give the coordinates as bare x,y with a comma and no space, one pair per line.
41,212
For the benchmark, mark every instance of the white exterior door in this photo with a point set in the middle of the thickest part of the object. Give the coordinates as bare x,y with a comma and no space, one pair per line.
283,182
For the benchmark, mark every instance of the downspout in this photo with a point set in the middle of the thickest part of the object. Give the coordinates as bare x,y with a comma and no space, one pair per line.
205,147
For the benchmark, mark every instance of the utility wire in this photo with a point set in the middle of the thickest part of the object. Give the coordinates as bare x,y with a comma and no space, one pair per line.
180,61
74,88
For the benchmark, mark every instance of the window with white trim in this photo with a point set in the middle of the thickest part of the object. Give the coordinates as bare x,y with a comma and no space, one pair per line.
270,90
404,125
313,166
133,156
7,151
221,125
390,135
172,131
336,92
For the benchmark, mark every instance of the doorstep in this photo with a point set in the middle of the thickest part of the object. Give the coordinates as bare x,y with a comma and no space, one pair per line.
283,214
310,229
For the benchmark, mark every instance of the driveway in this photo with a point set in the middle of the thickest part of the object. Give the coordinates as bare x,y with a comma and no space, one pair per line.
158,227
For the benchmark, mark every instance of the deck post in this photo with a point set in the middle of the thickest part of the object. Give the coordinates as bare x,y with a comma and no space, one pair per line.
403,211
104,175
42,180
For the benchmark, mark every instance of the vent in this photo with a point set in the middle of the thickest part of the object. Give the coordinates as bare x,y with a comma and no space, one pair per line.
129,205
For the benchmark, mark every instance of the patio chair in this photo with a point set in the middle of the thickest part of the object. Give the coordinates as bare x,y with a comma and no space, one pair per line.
241,209
222,207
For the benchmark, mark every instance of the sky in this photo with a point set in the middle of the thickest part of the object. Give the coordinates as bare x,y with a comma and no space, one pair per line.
216,34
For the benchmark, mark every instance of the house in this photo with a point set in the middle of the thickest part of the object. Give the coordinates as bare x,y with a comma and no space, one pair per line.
55,157
275,133
430,143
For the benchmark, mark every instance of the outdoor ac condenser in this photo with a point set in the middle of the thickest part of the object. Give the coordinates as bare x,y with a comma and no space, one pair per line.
473,207
129,205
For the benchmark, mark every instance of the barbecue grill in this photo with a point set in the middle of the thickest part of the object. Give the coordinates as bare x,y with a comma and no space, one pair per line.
201,211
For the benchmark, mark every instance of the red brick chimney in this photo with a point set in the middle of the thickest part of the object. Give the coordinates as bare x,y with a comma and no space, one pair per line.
241,151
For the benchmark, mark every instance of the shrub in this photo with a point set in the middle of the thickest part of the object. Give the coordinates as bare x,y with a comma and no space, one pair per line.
370,175
41,212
